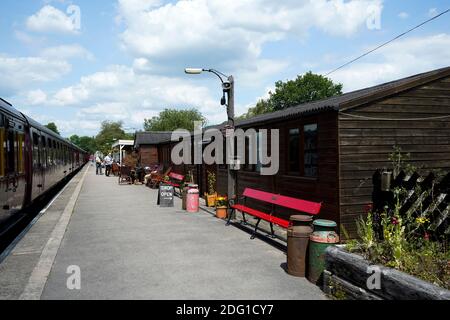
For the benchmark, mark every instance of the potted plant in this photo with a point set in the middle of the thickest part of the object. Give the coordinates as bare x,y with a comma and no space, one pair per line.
212,194
221,207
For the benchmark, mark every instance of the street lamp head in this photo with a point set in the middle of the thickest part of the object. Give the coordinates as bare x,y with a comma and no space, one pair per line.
193,70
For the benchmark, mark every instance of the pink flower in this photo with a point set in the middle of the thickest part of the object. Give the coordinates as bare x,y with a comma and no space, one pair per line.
394,221
426,236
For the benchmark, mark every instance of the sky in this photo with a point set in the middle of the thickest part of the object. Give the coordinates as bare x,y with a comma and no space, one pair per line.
78,63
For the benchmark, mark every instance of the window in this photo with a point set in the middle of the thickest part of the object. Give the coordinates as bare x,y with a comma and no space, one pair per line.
49,152
302,152
2,152
294,151
55,153
43,152
20,152
36,160
11,147
310,150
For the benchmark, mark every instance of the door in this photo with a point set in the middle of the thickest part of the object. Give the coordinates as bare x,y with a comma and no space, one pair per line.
3,178
12,167
38,169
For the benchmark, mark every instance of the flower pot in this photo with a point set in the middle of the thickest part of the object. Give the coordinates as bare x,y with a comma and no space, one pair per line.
221,212
211,199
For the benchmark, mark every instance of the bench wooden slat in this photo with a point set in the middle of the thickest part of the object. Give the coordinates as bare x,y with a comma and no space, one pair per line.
176,176
312,208
267,217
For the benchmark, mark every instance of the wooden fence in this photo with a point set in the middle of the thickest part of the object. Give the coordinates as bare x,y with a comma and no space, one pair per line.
421,196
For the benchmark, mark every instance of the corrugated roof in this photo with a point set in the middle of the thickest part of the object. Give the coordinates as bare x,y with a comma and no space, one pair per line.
152,138
350,99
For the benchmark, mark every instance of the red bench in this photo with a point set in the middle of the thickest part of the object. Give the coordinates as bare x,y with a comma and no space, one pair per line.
175,180
312,208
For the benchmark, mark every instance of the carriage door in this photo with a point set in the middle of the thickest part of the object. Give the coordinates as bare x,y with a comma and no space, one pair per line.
12,167
3,179
38,169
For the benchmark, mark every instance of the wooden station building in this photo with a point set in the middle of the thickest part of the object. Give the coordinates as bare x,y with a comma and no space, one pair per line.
330,149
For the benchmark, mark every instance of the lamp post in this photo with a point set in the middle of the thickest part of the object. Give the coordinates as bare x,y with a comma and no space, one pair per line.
228,89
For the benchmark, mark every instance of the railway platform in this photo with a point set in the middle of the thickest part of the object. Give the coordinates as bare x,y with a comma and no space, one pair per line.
101,240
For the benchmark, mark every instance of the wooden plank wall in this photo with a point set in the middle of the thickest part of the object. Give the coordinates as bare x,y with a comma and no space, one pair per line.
148,155
322,189
365,144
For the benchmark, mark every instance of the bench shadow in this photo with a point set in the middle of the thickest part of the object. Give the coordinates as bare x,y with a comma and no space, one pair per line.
261,236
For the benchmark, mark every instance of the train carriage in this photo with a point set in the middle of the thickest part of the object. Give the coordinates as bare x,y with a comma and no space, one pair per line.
33,160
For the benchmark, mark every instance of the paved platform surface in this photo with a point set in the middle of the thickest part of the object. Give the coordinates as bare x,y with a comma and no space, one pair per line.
128,248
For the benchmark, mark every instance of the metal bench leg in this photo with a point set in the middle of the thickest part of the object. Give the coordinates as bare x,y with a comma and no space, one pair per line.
245,220
256,230
230,216
272,232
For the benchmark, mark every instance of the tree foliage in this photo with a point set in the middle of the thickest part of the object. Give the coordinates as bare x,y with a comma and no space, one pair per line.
305,88
52,126
88,144
109,133
172,119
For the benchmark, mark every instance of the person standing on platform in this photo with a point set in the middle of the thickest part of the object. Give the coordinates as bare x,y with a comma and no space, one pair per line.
108,164
98,162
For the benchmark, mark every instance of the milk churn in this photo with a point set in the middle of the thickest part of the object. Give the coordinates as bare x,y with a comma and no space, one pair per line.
297,246
193,200
184,193
324,236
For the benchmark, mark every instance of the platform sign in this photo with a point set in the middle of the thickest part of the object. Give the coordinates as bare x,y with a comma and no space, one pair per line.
166,196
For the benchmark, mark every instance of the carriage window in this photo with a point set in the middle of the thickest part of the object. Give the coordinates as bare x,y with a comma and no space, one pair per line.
294,150
310,150
20,152
35,149
54,151
44,151
11,147
2,152
50,152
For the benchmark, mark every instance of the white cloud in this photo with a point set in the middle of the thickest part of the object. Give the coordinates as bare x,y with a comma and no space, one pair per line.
119,93
399,59
227,34
66,52
49,19
23,72
403,15
36,97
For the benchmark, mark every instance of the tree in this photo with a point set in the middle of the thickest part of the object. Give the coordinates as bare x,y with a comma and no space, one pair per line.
262,107
172,119
109,133
86,143
52,126
305,88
